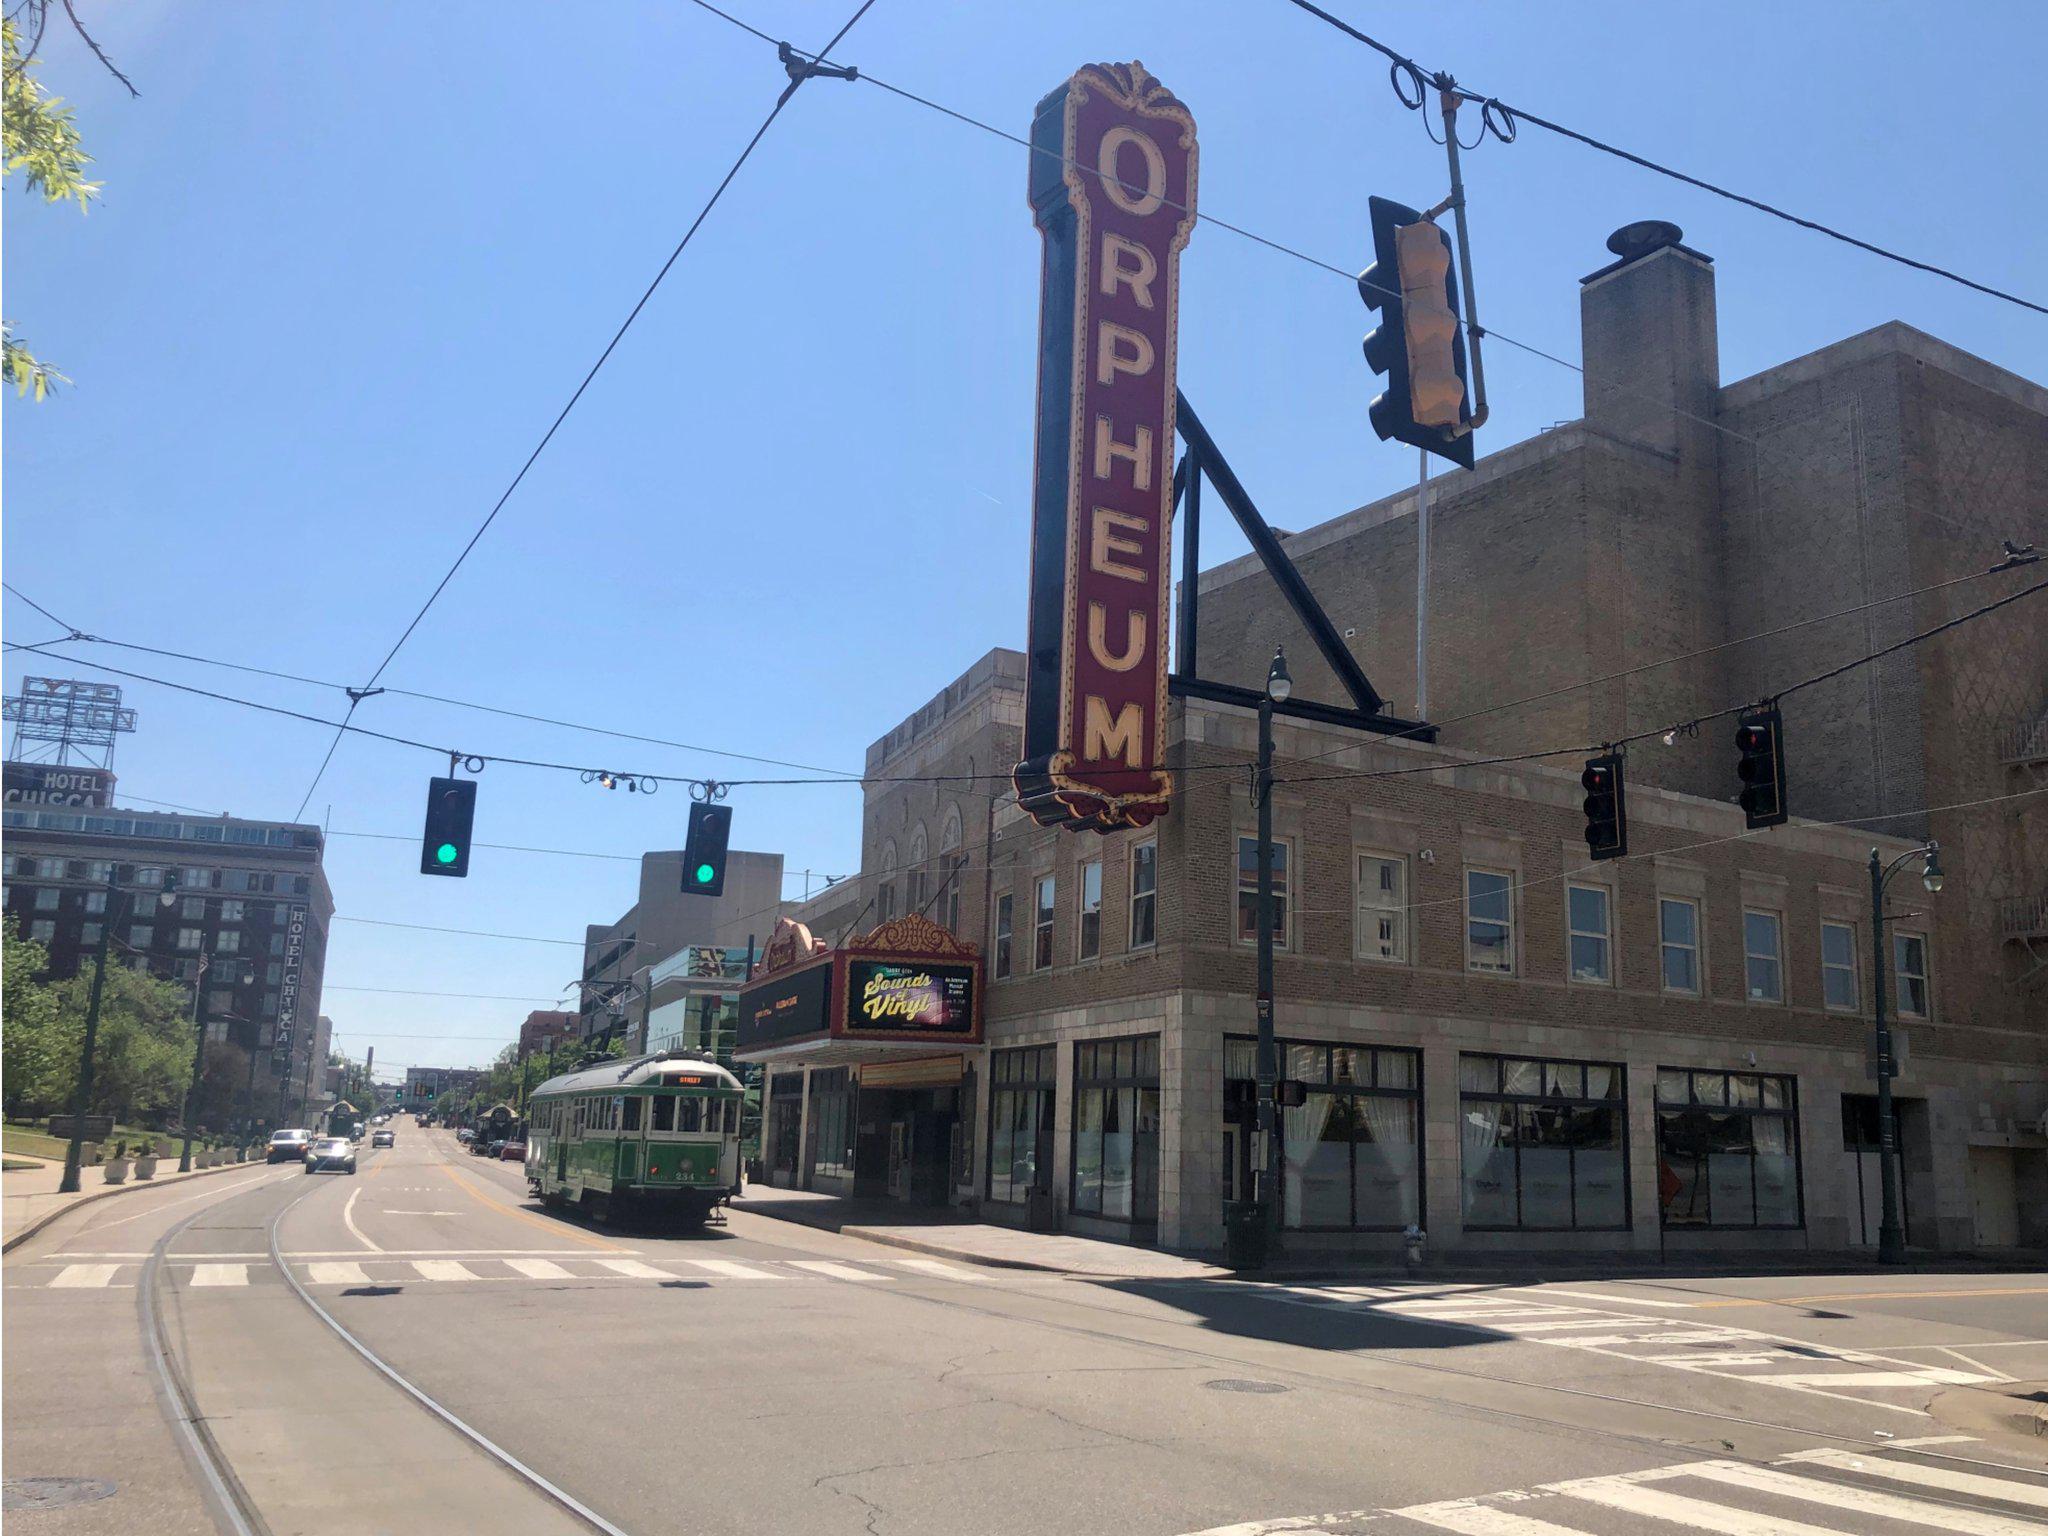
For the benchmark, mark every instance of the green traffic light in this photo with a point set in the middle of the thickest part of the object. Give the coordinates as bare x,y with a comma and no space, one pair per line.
447,853
704,874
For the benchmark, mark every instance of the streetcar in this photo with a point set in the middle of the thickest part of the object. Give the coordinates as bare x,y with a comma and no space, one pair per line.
659,1136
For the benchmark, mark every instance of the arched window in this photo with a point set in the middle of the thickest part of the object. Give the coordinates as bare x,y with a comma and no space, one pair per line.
952,864
885,894
916,883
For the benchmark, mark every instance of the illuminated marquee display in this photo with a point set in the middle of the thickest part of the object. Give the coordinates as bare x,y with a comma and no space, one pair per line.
1113,195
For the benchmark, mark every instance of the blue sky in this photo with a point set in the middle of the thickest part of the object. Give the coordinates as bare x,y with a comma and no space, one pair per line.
350,261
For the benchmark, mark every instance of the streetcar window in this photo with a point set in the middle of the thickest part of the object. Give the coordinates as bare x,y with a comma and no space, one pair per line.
664,1113
688,1113
632,1114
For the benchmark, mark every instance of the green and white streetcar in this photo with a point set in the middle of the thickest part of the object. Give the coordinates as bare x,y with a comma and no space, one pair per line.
659,1136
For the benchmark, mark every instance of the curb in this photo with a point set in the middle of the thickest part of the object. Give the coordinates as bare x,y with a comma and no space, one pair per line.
47,1217
891,1238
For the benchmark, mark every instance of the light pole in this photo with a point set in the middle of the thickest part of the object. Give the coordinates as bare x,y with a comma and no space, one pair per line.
81,1097
1891,1241
199,1054
1278,686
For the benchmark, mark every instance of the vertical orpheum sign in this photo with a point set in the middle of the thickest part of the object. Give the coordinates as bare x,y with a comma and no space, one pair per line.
1113,195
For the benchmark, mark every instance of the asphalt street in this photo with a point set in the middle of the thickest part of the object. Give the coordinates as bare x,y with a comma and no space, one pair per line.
517,1371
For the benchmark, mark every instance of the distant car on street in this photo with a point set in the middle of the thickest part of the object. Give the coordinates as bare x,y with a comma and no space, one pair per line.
331,1154
489,1148
512,1152
355,1131
465,1135
384,1138
288,1146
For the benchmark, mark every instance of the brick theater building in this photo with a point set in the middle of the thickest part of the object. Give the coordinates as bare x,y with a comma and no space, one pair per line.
1498,1041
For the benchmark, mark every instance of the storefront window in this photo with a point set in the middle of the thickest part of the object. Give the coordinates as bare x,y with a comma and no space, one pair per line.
1020,1122
1727,1149
833,1095
1350,1153
1544,1143
1116,1129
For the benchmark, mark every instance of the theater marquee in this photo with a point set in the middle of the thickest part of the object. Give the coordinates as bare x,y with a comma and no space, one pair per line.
1113,195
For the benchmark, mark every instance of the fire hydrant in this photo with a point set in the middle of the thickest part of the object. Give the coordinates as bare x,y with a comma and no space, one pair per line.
1412,1240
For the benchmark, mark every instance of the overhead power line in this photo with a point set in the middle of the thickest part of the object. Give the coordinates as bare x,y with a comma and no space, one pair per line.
1418,76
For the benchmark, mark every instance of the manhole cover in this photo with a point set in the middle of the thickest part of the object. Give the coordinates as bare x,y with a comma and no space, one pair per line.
52,1492
1237,1384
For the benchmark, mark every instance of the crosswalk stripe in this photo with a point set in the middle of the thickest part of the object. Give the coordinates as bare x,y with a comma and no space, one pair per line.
1932,1377
836,1270
1655,1504
1862,1501
79,1276
1929,1477
942,1270
220,1274
442,1269
337,1274
1471,1519
633,1269
732,1269
539,1269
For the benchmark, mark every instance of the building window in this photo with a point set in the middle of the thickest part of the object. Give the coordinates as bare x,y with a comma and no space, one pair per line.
1382,907
1144,894
146,874
89,933
193,907
99,871
1838,966
1248,891
270,1005
227,942
1762,956
1116,1129
22,865
47,899
42,931
189,938
1091,909
220,1001
1544,1143
916,883
1351,1153
49,869
1489,922
95,902
1909,965
885,902
1727,1149
834,1119
273,973
233,911
141,936
1004,924
1041,938
301,884
955,864
277,943
1586,913
1678,933
1020,1103
197,879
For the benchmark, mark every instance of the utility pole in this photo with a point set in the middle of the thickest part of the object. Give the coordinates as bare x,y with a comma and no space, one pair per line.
81,1097
198,1065
1267,1066
1891,1239
1422,585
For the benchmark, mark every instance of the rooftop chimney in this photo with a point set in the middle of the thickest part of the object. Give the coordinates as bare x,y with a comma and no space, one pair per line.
1648,338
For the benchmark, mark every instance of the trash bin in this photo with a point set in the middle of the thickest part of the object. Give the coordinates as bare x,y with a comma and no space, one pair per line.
1244,1234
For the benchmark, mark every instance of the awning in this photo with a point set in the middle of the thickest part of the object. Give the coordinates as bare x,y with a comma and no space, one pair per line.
907,987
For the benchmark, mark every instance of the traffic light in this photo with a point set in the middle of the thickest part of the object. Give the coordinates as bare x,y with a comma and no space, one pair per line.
430,1090
1760,738
1606,810
704,849
1420,345
444,846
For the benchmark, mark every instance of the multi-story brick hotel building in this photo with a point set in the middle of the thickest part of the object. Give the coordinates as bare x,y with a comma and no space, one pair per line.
1499,1041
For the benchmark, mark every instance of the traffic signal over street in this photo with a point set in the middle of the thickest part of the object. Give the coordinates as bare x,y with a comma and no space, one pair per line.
1420,344
1606,810
444,845
1760,738
704,849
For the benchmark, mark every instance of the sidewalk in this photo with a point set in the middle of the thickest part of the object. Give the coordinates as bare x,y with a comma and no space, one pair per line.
29,1199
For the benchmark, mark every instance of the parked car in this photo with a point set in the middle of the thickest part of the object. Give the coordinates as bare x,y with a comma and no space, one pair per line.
331,1154
465,1135
355,1131
512,1152
492,1147
384,1138
288,1146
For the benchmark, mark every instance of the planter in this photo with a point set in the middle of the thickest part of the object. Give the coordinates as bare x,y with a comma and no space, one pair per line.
145,1167
89,1154
116,1170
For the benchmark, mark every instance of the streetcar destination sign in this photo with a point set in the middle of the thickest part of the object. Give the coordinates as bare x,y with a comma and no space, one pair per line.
1113,195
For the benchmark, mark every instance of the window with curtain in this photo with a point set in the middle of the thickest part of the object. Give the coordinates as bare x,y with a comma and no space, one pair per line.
1586,914
1382,907
1116,1129
1909,966
1021,1090
1543,1143
1144,894
1351,1152
1727,1149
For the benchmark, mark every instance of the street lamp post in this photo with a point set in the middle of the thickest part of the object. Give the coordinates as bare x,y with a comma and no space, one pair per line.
199,1023
1278,686
1891,1242
81,1097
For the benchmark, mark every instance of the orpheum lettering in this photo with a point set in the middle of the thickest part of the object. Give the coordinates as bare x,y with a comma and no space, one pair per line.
1113,195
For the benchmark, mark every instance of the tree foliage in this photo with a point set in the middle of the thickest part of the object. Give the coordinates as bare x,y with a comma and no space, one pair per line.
142,1058
38,1044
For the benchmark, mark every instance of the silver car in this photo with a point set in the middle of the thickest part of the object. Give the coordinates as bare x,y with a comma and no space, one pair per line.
331,1154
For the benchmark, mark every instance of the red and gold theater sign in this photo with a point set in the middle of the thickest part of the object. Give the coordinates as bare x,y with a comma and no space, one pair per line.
1113,195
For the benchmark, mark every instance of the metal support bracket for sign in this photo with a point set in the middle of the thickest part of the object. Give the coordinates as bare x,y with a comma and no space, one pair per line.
1204,459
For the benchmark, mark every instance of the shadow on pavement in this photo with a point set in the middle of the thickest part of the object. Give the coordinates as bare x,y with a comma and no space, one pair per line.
1257,1312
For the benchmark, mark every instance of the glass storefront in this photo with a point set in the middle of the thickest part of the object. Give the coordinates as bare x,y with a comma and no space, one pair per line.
834,1097
1021,1086
1544,1144
1116,1129
1351,1151
1727,1149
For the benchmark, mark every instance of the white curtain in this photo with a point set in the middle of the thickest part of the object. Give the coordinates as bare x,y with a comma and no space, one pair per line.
1388,1161
1489,1195
1302,1132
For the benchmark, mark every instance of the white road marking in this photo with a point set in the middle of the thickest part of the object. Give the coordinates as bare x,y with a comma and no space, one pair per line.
220,1274
389,1212
1632,1301
1975,1365
1862,1501
83,1276
732,1269
936,1267
348,1216
336,1274
155,1208
442,1269
833,1269
1928,1378
539,1269
1468,1518
1900,1445
1928,1477
1630,1497
633,1269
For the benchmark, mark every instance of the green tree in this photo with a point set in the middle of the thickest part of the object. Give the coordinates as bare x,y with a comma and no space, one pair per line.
38,1044
142,1059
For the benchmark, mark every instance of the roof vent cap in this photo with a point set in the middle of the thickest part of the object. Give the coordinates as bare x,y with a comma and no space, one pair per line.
1631,242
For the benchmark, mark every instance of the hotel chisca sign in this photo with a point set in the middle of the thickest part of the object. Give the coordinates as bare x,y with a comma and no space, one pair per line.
1113,195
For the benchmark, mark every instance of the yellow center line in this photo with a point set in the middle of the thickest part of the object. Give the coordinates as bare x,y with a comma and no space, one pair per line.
1801,1301
559,1229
